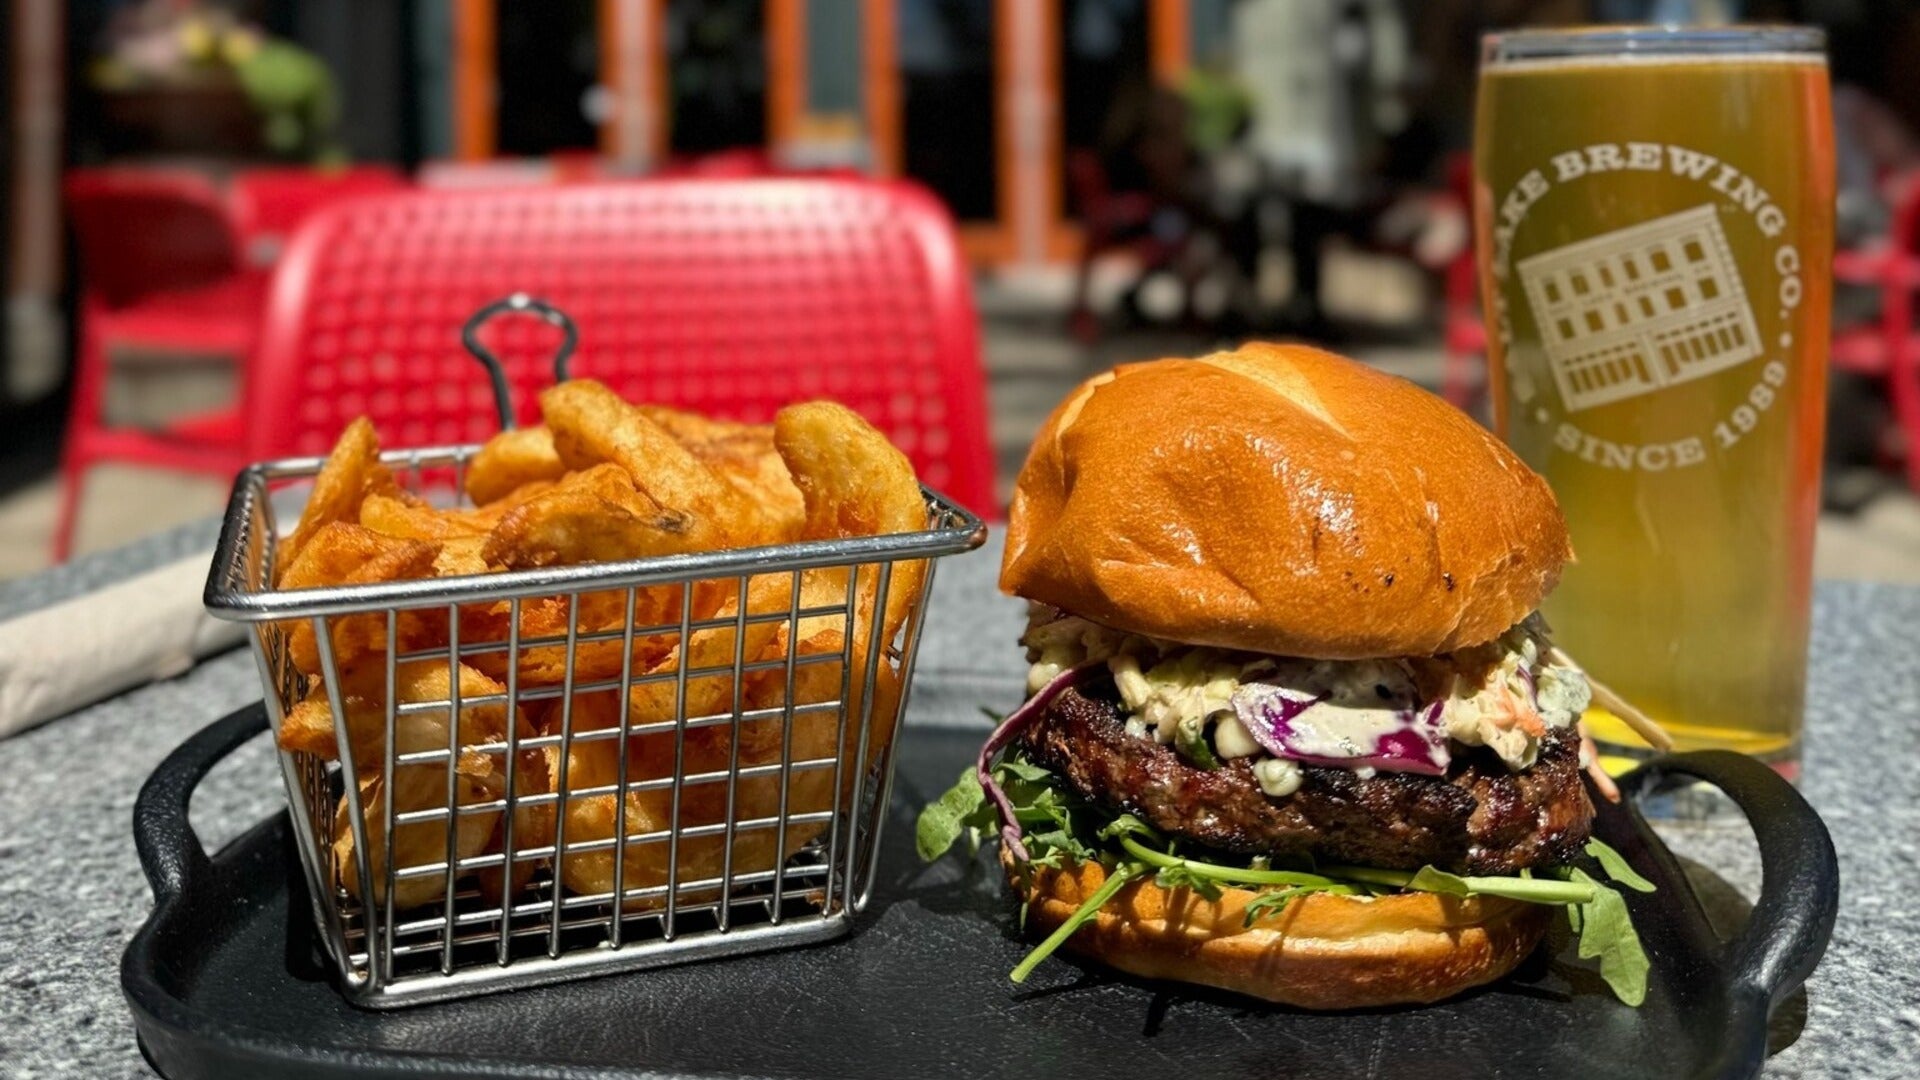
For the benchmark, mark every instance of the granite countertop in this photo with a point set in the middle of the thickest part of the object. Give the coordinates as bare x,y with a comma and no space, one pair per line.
72,892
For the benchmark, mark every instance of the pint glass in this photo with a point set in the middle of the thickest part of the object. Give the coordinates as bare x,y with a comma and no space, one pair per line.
1654,222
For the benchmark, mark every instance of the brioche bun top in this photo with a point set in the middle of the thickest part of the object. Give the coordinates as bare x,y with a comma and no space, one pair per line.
1280,499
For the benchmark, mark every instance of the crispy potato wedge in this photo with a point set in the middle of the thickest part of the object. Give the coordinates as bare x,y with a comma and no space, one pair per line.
480,776
593,764
477,779
338,554
606,481
591,425
599,612
459,556
595,515
855,483
744,455
692,430
486,517
512,460
351,470
812,744
309,727
411,519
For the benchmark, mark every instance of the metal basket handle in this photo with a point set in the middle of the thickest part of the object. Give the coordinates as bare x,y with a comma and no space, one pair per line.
523,304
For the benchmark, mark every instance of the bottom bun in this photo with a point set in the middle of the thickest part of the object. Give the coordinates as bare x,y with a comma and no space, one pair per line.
1320,952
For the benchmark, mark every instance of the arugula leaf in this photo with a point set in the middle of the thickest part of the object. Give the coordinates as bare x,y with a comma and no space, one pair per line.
1019,768
1432,879
1232,875
1117,878
1060,824
1617,867
1270,903
1606,932
1051,847
1128,825
943,821
1180,877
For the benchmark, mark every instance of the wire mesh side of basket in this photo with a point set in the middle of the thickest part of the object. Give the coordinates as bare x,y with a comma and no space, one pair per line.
748,776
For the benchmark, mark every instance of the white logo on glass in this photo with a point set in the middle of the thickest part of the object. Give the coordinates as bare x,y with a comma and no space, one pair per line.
1630,311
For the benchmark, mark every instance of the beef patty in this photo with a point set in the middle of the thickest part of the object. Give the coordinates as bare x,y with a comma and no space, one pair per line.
1479,818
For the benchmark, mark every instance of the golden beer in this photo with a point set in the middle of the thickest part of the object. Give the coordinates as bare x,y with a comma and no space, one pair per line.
1654,221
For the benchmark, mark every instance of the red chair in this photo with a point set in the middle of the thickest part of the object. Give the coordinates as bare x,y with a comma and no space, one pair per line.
270,203
1464,327
730,296
739,163
1889,348
159,273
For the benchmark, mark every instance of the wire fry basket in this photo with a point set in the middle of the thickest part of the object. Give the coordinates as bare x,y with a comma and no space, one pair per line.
588,768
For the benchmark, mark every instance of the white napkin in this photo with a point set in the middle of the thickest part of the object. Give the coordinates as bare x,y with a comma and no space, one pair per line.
60,658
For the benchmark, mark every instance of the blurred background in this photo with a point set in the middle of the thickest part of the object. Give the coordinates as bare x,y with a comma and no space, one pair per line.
1130,178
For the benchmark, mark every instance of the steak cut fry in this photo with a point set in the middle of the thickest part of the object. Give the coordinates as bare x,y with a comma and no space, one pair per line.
512,459
855,483
344,554
601,481
592,425
592,516
309,727
351,470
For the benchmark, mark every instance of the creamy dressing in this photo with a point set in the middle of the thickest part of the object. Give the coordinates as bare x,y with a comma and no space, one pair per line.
1503,695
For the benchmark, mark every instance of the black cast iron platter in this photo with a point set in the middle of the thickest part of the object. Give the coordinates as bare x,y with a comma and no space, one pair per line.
224,980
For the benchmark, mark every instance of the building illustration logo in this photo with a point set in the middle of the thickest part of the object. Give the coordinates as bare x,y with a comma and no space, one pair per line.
1640,308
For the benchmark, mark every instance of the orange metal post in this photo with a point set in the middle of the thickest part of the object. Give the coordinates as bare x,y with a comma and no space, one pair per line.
1170,39
880,82
786,70
475,89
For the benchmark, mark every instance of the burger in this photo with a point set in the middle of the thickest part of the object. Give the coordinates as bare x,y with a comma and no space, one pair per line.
1294,728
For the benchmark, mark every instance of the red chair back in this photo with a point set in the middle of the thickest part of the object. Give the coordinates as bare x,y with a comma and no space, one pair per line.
146,231
736,164
270,203
734,297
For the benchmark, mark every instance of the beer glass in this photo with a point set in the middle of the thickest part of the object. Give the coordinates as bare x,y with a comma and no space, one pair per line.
1654,224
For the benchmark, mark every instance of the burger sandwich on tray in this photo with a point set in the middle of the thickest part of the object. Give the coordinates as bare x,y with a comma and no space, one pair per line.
1294,727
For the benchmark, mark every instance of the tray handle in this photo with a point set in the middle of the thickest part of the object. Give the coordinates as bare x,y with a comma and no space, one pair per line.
1786,934
170,852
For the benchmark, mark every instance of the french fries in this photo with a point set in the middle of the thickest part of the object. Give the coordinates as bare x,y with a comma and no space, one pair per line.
351,470
591,426
707,753
601,481
596,515
510,460
343,554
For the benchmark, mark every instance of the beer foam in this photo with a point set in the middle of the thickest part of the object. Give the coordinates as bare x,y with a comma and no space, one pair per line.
1655,59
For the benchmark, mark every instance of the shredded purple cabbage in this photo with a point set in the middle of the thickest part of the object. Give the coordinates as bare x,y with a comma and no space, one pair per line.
1016,722
1268,713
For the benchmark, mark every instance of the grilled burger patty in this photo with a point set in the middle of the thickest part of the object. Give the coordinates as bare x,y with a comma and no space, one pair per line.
1479,818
